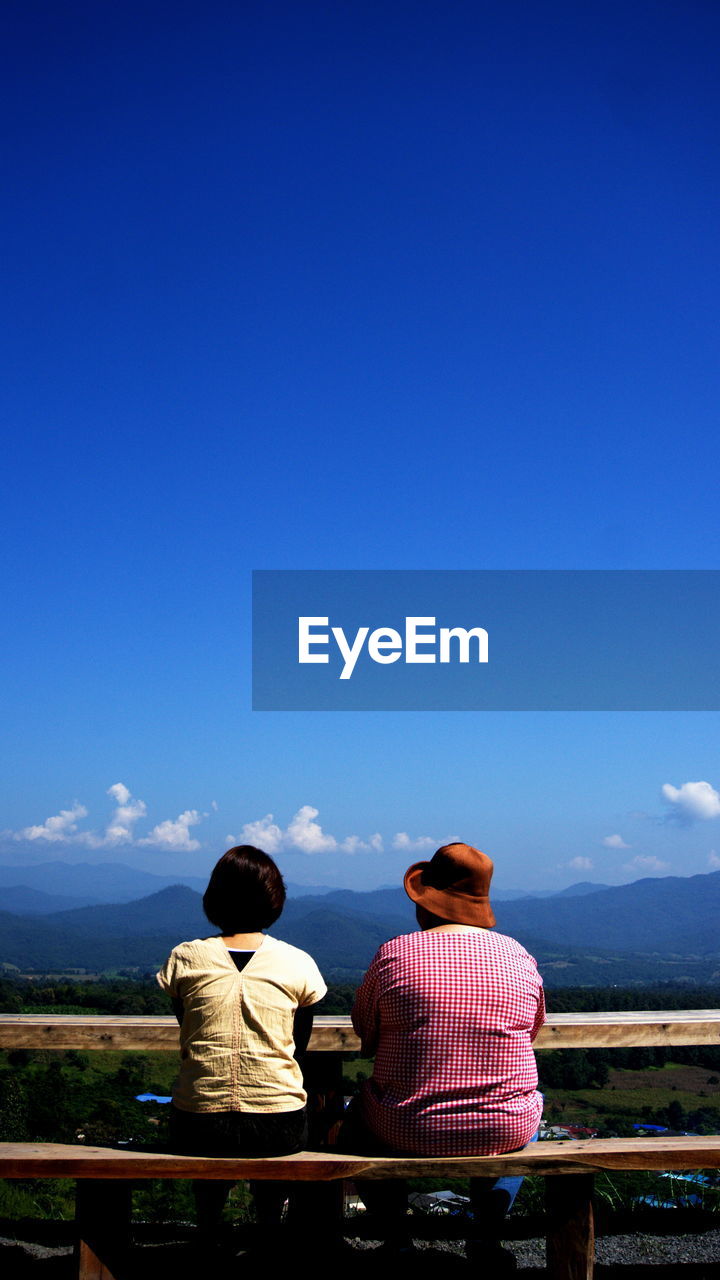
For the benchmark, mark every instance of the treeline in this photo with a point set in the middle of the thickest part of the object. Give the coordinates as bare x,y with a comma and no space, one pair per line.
658,995
120,994
590,1068
117,995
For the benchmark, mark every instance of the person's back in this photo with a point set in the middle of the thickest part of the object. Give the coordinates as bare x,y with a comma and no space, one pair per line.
450,1014
244,1003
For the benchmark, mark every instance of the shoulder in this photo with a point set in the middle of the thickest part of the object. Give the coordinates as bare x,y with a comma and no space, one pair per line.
188,959
503,944
197,948
197,953
402,942
289,965
286,953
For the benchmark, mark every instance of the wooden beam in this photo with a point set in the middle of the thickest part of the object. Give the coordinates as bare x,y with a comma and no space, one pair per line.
334,1034
630,1029
589,1155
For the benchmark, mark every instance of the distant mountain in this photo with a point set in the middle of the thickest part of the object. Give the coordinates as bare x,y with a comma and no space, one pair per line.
82,883
342,943
307,890
392,906
26,944
22,900
175,912
92,882
577,890
672,914
646,931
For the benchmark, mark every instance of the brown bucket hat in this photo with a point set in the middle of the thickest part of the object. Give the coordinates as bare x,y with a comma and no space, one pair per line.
454,884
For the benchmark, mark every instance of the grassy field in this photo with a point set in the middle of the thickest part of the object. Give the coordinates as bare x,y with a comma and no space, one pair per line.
639,1095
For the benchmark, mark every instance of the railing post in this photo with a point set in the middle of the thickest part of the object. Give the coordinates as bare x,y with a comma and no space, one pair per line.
102,1217
571,1226
323,1075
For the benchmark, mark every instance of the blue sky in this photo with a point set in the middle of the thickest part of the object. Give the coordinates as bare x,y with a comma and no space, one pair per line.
347,286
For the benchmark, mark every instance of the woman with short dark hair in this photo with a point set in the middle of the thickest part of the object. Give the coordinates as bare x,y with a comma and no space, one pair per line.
240,998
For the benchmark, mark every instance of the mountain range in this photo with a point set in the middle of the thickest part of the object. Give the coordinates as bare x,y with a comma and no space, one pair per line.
648,930
46,887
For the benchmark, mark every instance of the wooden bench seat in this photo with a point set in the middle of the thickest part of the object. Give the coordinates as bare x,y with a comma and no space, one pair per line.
587,1155
104,1177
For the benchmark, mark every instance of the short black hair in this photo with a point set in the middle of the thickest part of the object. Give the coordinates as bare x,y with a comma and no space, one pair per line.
246,892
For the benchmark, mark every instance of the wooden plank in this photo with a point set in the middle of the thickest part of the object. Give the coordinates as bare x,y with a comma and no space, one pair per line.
570,1245
591,1155
61,1160
65,1031
334,1034
58,1160
629,1029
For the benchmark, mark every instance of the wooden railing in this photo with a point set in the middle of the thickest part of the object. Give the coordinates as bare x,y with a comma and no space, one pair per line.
334,1034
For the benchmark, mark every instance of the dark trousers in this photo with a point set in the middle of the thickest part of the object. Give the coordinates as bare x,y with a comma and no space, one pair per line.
237,1133
491,1199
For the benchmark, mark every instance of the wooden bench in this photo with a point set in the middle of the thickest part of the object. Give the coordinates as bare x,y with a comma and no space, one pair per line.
104,1177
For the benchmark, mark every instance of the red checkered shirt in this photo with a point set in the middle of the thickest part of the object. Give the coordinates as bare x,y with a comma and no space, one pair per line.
451,1017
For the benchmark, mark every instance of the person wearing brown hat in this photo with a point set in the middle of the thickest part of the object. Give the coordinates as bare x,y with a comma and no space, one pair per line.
450,1014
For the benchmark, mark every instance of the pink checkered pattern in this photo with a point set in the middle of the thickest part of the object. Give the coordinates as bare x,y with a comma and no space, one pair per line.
451,1018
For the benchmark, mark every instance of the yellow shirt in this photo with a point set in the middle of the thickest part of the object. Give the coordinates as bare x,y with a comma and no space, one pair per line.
236,1039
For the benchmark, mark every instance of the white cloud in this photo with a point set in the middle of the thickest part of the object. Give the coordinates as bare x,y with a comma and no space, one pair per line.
405,842
693,800
615,842
306,834
63,827
713,860
264,834
581,864
647,863
60,827
303,832
175,834
353,844
120,827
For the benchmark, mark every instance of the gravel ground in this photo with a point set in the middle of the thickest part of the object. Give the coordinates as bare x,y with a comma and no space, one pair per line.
616,1256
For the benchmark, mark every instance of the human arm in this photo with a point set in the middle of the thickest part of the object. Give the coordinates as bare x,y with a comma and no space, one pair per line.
302,1029
167,979
313,990
365,1013
540,1016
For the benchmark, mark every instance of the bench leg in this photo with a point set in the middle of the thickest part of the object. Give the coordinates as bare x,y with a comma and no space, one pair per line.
571,1228
102,1217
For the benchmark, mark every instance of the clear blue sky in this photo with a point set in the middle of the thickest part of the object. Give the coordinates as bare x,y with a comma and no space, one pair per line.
366,285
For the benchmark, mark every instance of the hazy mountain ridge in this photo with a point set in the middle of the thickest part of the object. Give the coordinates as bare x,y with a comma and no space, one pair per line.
64,885
670,914
651,929
95,882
